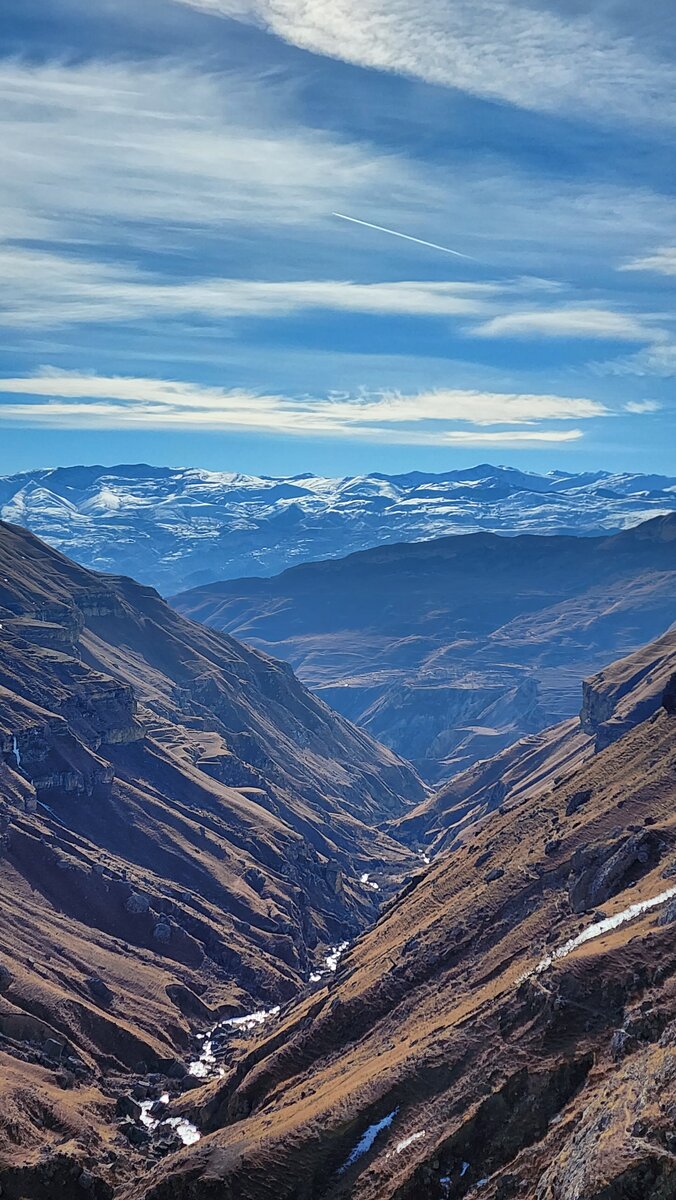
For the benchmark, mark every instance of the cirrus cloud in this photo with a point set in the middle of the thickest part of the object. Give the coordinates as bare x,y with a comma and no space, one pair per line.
523,54
663,262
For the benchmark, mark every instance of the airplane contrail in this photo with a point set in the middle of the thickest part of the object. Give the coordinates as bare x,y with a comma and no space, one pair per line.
406,236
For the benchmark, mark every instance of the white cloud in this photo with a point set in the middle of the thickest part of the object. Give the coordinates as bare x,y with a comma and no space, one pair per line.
48,289
643,406
658,361
571,322
91,149
216,170
663,262
500,49
66,399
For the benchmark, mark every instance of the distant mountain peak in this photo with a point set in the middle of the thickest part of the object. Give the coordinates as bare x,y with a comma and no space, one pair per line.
178,527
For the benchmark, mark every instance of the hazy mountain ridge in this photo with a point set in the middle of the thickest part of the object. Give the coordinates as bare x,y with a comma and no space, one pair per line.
175,528
451,649
613,702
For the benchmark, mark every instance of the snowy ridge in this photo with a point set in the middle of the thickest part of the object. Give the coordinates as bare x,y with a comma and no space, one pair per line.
177,528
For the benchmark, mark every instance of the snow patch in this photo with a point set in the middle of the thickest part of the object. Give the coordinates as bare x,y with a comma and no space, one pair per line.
599,928
414,1137
367,1139
16,752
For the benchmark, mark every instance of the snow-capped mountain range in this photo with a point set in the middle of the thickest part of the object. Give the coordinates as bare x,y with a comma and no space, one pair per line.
175,528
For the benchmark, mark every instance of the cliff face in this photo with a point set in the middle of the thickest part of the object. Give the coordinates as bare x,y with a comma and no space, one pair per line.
182,832
451,650
497,1034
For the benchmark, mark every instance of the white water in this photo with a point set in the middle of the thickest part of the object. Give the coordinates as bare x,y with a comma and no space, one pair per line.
252,1020
205,1066
334,956
16,752
188,1133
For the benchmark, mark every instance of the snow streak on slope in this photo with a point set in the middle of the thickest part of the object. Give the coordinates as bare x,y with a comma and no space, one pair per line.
600,927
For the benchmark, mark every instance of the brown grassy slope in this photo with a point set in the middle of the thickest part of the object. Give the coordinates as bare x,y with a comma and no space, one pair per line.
557,1086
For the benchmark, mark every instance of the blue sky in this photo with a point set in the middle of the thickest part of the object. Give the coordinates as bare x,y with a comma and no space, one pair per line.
177,288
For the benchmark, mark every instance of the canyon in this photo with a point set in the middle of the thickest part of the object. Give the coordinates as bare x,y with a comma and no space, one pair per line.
450,650
246,952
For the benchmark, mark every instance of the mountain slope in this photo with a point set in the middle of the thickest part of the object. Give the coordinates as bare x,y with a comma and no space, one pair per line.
175,528
450,650
613,702
497,1034
185,825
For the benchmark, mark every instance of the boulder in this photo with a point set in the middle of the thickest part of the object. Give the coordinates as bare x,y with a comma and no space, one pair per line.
577,800
668,915
100,990
127,1107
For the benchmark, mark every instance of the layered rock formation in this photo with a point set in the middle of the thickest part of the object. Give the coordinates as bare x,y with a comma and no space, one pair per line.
451,650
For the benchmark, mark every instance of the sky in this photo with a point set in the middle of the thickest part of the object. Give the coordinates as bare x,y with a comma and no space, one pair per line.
181,285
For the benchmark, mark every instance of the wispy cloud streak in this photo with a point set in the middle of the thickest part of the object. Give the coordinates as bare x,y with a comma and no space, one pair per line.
69,399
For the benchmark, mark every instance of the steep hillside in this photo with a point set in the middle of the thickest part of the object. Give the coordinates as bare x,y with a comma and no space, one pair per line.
183,830
175,527
614,701
450,650
507,1029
